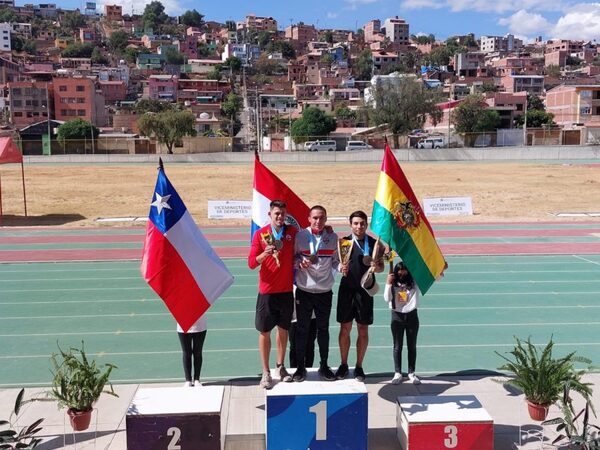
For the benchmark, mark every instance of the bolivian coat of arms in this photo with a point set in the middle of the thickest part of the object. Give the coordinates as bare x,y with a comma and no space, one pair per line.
406,215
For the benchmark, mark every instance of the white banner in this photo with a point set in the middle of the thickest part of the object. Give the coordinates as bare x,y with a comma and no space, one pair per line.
229,209
448,206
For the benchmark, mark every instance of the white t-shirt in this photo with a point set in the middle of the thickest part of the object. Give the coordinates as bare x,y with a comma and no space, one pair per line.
198,326
406,301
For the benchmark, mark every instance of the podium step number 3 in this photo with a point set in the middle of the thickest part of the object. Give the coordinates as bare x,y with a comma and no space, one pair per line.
456,422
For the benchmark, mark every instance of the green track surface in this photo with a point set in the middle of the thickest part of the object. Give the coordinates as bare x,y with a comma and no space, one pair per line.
473,311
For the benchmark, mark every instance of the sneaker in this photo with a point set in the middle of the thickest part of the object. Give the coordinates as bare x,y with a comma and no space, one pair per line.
187,384
359,374
299,375
266,382
397,378
284,374
342,372
413,378
197,383
326,374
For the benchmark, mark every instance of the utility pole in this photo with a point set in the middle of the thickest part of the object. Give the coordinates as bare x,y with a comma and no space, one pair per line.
525,124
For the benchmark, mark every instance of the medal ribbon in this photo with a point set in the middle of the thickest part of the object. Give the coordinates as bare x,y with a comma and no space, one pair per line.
277,236
366,249
315,243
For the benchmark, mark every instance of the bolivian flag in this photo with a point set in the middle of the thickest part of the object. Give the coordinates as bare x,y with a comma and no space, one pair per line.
399,221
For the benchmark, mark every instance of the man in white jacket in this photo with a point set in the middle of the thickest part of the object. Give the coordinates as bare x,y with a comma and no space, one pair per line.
316,263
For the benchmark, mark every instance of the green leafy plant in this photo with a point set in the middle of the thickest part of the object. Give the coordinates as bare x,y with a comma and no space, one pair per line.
78,381
10,438
540,375
575,429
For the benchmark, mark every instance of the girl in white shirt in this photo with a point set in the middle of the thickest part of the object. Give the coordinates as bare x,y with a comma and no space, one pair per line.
402,295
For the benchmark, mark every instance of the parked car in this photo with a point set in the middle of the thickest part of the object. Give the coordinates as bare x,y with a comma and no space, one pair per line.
329,146
432,142
308,146
357,145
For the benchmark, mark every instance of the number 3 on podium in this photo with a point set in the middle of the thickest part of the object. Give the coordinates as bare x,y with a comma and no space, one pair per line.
452,440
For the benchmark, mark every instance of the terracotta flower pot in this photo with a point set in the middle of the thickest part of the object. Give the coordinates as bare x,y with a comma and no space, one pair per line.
80,420
537,412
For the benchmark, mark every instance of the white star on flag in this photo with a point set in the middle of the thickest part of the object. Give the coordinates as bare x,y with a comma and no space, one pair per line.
161,202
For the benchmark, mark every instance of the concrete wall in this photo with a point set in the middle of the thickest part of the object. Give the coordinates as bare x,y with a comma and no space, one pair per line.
555,153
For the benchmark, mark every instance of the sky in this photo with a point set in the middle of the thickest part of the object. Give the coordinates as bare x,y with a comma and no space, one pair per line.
526,19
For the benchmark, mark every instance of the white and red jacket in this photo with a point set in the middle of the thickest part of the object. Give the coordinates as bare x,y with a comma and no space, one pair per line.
319,277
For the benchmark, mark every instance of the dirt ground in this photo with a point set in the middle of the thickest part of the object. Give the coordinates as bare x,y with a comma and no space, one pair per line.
76,195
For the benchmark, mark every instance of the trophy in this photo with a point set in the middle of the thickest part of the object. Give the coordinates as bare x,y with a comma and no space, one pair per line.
344,250
268,239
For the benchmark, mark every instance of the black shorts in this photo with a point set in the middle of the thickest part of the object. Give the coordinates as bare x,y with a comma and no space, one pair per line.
274,310
354,305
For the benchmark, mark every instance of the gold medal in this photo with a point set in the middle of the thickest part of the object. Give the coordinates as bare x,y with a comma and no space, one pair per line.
278,244
367,260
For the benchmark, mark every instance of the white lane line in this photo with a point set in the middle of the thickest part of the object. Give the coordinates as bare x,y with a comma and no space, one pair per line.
586,260
244,350
131,300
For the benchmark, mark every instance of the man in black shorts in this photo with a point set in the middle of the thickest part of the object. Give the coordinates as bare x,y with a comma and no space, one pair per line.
354,302
273,250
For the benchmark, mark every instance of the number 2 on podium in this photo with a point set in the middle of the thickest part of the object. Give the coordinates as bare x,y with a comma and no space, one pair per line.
320,412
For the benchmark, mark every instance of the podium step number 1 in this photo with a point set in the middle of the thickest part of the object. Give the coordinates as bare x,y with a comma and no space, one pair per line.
317,415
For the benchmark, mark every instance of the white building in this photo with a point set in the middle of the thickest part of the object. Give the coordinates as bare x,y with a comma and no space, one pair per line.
508,43
5,29
396,30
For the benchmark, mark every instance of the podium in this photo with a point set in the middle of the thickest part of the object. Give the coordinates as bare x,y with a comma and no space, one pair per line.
317,415
456,422
175,418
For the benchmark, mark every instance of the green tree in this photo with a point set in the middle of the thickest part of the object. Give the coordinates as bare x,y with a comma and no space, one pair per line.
17,43
230,108
263,39
314,123
203,50
153,106
174,57
76,129
327,59
78,50
343,112
30,47
72,22
536,118
117,42
154,15
97,57
284,47
404,106
327,37
363,67
7,15
439,56
168,127
215,73
192,18
472,116
534,102
131,54
233,63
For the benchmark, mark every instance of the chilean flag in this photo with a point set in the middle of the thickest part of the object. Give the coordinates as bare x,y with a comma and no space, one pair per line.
178,262
267,187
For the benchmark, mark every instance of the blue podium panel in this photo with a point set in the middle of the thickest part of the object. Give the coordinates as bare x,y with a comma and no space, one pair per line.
317,415
175,418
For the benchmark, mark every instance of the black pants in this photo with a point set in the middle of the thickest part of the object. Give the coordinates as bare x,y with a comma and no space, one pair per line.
309,356
409,323
191,346
306,303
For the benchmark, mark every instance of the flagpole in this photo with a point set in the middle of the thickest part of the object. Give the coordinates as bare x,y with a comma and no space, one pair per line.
24,196
160,164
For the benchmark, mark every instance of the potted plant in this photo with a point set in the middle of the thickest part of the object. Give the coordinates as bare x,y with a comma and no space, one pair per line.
25,438
77,383
542,377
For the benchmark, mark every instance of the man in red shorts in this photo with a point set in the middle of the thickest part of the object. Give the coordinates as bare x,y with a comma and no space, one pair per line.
273,250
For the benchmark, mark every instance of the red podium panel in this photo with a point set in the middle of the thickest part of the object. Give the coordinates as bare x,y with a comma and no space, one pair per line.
457,422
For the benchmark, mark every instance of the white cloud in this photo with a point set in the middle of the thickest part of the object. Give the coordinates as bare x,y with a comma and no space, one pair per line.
580,22
354,4
525,23
502,6
332,15
172,7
